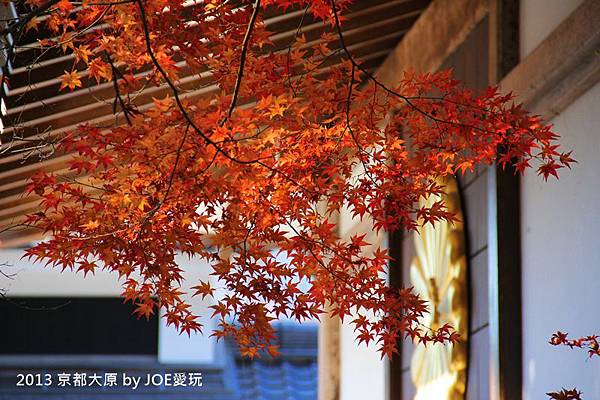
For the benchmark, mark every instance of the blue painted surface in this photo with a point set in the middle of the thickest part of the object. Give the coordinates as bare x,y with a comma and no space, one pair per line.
291,376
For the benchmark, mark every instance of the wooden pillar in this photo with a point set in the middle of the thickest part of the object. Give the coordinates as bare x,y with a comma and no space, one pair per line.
329,358
506,371
394,377
503,38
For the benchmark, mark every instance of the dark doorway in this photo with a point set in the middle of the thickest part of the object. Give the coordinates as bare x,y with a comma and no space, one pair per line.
75,326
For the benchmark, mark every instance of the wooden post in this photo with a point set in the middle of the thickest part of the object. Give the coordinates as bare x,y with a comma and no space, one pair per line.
394,377
329,358
506,354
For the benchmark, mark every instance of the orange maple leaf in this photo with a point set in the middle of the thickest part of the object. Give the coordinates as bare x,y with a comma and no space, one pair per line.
278,107
99,70
71,80
91,225
82,53
204,289
32,24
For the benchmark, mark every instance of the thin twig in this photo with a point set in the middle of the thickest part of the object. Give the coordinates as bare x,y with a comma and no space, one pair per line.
245,46
118,97
175,92
392,92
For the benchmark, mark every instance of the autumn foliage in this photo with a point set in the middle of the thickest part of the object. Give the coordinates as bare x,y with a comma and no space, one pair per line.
590,343
565,394
251,175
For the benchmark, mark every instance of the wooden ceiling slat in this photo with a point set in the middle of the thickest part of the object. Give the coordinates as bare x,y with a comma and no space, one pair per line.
283,26
356,27
64,112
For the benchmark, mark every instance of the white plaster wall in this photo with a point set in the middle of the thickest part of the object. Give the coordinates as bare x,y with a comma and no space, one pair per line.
363,371
538,18
561,258
174,347
34,279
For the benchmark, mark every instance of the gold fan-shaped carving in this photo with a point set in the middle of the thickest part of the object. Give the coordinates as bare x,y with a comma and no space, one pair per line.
438,273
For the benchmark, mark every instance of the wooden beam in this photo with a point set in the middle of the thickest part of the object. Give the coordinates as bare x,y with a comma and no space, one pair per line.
20,238
562,67
439,31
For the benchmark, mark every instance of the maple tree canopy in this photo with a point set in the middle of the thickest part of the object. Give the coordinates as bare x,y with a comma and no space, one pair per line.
250,176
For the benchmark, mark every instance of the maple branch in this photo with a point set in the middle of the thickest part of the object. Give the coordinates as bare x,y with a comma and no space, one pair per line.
314,256
115,74
177,157
175,91
75,181
182,108
7,275
361,151
591,342
289,50
245,46
184,112
287,177
325,248
155,209
392,92
12,227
